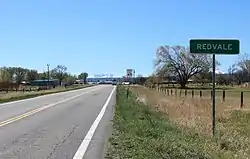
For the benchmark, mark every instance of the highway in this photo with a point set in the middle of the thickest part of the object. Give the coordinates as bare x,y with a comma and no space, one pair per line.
68,125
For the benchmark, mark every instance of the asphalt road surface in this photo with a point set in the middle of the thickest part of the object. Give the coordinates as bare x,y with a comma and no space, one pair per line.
68,125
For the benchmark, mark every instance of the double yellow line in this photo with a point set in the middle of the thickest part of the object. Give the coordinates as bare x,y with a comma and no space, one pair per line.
19,117
29,113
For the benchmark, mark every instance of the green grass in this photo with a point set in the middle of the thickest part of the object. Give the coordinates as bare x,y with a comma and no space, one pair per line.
27,95
139,132
234,133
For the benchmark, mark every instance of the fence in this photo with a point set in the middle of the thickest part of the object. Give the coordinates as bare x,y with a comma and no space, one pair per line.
8,86
193,92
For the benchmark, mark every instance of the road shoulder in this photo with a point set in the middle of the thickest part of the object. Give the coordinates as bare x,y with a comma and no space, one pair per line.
103,132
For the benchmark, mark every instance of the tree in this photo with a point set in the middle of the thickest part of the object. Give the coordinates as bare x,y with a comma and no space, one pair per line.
243,68
32,75
203,77
222,79
83,76
43,75
59,72
179,62
244,63
20,74
140,80
232,74
5,75
70,79
11,71
151,80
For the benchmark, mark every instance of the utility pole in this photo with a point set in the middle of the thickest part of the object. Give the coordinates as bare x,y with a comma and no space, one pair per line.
48,74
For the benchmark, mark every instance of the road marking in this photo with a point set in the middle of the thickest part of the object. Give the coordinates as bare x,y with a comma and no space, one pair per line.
52,94
85,143
34,111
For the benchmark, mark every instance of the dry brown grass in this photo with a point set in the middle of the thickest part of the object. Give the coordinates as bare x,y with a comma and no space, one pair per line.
191,112
232,123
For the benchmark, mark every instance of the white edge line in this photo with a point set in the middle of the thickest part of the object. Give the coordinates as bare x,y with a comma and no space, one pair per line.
41,96
86,141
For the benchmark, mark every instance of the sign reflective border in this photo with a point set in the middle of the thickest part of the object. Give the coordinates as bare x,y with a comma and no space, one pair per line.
214,46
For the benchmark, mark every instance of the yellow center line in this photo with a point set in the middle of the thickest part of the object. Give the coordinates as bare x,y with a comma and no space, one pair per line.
34,111
29,113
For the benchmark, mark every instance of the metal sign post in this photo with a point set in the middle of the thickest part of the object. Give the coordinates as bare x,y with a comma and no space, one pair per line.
214,46
213,104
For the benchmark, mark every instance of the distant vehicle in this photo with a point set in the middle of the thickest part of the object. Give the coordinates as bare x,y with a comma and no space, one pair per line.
125,83
102,82
105,82
114,83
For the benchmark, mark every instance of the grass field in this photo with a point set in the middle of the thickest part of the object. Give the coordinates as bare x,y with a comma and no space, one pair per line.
13,95
232,95
142,132
233,124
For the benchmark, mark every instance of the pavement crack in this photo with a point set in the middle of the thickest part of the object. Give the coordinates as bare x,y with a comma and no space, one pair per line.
61,142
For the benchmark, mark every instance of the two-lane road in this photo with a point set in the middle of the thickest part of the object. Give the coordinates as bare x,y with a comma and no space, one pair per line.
68,125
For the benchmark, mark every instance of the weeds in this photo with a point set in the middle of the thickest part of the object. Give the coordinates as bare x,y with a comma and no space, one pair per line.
140,132
232,124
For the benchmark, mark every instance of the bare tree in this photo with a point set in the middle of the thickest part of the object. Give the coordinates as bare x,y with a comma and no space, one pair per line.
203,77
179,62
32,75
20,74
5,75
243,67
140,80
11,71
59,72
244,62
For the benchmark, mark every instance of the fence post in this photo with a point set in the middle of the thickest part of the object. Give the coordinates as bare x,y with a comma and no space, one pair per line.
171,91
223,95
192,93
180,93
185,92
176,92
200,93
127,91
241,100
165,90
211,94
168,91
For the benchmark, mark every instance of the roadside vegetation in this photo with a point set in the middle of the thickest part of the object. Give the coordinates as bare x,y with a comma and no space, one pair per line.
142,132
13,96
15,82
232,122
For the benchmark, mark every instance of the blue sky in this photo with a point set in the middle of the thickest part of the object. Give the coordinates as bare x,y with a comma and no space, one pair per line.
100,36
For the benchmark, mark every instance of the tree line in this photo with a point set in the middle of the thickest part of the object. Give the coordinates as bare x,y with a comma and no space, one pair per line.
176,63
20,74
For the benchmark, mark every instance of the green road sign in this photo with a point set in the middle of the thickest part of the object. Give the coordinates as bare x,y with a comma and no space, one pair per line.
215,46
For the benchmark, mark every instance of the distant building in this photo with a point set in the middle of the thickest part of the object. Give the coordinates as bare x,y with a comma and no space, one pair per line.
51,82
104,79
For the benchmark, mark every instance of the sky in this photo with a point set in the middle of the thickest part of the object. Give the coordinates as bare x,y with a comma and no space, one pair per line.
100,36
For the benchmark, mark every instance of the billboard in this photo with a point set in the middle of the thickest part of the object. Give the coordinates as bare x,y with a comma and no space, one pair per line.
130,73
